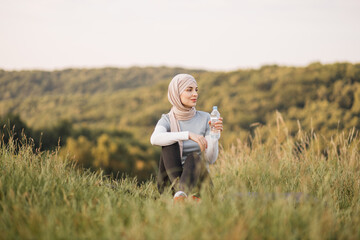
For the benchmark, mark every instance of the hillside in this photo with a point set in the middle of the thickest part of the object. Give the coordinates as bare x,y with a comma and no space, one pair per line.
79,81
135,97
321,98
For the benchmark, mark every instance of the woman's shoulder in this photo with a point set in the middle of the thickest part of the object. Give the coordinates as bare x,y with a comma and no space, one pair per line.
164,119
165,116
202,114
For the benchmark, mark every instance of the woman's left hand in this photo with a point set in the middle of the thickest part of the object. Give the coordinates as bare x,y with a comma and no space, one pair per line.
219,124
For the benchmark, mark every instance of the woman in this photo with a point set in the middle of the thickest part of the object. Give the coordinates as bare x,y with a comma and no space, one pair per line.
184,134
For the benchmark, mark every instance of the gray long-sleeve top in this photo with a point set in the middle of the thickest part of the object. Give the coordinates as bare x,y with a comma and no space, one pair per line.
198,125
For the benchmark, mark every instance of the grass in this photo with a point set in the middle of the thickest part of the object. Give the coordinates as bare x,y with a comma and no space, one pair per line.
304,187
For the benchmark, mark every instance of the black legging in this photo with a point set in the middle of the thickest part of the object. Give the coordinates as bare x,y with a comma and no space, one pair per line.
183,178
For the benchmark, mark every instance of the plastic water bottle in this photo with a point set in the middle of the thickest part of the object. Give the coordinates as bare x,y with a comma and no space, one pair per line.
214,117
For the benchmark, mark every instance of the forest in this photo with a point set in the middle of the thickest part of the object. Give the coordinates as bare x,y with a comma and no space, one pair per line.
103,118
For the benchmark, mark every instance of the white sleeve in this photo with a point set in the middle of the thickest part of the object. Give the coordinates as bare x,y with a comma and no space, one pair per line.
212,151
161,137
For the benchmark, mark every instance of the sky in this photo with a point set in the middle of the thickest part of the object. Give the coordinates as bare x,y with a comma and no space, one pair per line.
206,34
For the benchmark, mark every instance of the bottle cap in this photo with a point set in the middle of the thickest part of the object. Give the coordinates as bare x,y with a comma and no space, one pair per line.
214,107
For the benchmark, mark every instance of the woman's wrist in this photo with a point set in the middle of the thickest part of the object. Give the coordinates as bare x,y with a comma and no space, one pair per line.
190,135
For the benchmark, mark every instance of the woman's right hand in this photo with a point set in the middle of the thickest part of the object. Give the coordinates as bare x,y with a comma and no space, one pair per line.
199,140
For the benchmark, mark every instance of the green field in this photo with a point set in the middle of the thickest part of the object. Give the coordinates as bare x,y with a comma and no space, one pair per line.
282,188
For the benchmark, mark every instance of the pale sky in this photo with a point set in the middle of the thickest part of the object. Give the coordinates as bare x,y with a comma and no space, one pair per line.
207,34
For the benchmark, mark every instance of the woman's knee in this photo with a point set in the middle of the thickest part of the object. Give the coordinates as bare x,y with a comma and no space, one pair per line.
173,148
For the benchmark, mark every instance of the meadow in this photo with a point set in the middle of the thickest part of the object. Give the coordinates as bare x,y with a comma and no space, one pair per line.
273,187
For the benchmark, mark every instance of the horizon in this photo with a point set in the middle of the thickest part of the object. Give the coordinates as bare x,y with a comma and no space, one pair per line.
166,66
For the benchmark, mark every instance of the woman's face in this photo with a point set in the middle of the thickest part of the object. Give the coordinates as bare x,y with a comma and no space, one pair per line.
189,96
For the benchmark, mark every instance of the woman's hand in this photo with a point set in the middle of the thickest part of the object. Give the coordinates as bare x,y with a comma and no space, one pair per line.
199,140
218,125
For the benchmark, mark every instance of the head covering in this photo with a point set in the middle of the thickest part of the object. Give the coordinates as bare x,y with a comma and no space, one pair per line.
178,111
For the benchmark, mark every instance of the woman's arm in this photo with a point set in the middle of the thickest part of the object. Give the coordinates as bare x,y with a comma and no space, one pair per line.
212,151
161,137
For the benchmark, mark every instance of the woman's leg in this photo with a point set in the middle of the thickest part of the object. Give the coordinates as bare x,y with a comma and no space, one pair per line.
183,178
194,172
170,167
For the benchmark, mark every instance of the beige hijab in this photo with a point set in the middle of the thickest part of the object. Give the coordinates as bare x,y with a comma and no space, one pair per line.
178,111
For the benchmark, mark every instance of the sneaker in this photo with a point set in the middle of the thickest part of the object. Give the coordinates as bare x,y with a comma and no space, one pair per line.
196,199
179,196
